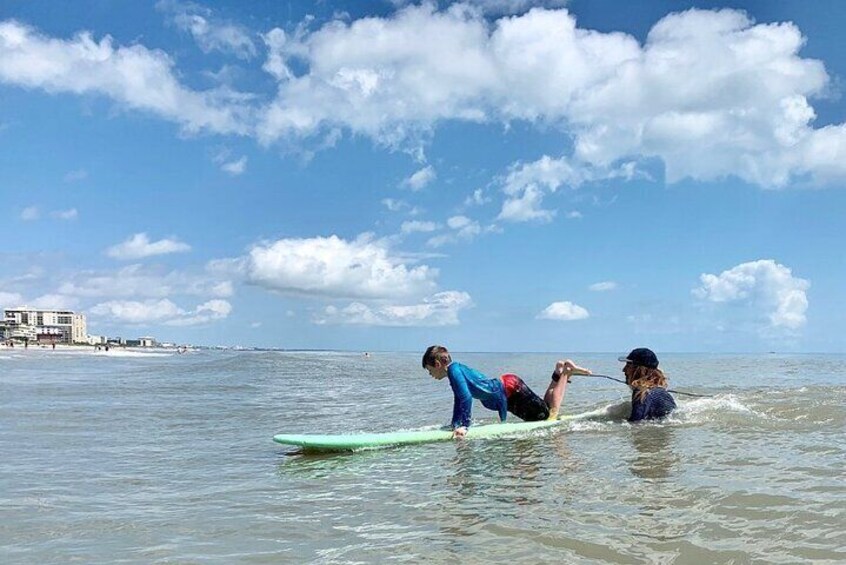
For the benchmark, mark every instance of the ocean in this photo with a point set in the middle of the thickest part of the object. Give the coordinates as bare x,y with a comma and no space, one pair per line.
158,457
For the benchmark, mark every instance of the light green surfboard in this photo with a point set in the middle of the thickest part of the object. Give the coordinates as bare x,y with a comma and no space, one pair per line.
352,442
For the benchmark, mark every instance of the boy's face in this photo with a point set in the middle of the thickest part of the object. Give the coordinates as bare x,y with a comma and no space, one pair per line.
437,371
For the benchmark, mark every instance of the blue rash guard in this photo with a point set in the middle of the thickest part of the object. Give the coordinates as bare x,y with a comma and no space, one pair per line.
468,384
656,403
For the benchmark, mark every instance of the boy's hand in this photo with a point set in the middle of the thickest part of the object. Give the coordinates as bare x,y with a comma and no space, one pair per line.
459,433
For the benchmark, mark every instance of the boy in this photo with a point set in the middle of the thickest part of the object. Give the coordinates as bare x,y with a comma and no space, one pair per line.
506,394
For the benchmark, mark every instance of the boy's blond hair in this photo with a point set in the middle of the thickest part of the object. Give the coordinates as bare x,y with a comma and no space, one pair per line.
436,353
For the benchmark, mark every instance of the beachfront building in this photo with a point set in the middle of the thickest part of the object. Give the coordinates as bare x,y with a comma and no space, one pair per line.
46,326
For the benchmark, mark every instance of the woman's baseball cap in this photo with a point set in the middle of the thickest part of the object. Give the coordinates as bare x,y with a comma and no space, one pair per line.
641,356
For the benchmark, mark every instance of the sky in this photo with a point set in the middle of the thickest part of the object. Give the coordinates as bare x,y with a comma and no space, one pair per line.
500,175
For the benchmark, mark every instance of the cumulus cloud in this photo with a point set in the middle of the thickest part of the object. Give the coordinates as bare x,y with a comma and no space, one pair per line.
334,267
440,309
133,76
137,312
463,229
499,7
204,313
709,93
478,198
421,178
139,246
603,286
565,310
139,280
30,213
526,184
210,33
161,311
764,286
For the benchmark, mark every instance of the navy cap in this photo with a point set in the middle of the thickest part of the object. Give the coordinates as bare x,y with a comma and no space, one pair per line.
641,356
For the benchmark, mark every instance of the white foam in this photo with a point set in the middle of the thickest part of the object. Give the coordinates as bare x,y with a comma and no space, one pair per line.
718,403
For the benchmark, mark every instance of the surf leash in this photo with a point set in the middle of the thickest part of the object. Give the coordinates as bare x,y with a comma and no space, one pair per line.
668,390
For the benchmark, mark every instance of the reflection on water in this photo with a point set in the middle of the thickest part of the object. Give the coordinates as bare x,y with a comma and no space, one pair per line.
654,457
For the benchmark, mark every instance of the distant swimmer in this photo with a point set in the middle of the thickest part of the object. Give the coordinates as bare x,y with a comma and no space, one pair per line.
650,398
506,394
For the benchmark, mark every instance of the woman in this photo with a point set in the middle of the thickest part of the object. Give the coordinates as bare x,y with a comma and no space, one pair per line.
650,399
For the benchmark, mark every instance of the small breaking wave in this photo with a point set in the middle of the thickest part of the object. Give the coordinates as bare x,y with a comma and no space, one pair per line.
690,412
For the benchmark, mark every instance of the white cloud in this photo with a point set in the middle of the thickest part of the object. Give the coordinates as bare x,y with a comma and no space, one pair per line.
574,215
440,309
139,246
235,168
563,311
161,311
709,93
765,286
210,33
418,226
477,198
527,183
421,178
394,205
54,301
134,76
10,299
30,213
139,280
499,7
204,313
464,229
526,207
70,214
603,286
137,312
334,267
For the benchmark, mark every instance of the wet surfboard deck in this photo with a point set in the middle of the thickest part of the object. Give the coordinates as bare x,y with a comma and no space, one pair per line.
354,442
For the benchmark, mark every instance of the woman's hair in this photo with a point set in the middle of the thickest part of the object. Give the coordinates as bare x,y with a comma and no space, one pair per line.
643,378
436,352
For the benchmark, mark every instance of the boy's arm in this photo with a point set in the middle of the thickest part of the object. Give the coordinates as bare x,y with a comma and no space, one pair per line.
462,400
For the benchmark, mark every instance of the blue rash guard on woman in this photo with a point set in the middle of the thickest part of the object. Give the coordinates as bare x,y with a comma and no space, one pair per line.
656,403
468,384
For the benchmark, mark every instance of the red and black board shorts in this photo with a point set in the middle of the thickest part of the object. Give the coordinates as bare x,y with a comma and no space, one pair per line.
522,401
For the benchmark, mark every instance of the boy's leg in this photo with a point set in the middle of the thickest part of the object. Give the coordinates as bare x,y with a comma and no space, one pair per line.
558,385
527,405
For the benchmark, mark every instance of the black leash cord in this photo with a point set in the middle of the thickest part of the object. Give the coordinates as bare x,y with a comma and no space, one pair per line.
668,390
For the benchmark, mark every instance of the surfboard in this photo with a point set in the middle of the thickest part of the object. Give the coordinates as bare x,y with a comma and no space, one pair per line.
354,442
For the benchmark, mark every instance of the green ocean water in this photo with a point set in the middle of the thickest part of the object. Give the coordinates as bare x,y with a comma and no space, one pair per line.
129,457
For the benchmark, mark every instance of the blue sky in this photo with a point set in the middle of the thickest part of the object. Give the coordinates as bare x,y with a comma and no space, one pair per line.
491,175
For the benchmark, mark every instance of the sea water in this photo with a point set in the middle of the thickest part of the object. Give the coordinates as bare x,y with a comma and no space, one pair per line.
158,457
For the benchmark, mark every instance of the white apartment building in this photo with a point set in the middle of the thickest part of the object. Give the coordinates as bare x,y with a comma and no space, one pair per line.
50,326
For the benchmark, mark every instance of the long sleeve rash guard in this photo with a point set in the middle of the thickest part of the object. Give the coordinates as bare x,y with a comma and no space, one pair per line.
468,384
